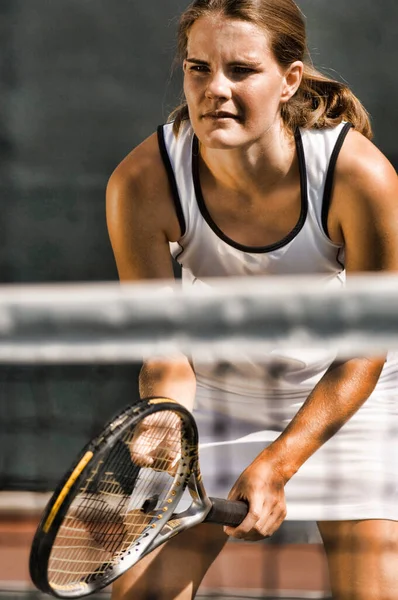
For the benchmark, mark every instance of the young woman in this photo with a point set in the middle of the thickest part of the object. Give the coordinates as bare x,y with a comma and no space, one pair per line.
268,169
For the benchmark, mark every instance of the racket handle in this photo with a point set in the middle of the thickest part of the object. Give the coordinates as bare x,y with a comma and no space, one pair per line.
227,512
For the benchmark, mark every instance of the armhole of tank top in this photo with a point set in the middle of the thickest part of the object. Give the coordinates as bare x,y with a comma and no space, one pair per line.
172,180
327,194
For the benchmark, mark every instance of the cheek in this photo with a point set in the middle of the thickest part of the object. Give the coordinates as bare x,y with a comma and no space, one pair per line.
194,82
190,90
261,99
192,98
185,86
253,101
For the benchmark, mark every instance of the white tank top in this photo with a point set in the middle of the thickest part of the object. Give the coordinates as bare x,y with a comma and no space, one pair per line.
204,251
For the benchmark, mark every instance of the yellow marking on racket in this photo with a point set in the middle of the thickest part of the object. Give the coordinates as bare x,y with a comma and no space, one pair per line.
78,469
118,422
173,523
69,586
161,400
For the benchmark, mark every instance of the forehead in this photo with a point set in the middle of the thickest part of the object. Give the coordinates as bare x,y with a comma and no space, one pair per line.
218,34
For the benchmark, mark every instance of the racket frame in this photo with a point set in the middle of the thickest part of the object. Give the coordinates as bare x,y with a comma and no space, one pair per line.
163,525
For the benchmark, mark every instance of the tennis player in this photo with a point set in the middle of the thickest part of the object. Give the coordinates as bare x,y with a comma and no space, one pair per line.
267,168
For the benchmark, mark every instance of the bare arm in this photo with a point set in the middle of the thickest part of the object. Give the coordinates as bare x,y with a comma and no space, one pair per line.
364,215
141,221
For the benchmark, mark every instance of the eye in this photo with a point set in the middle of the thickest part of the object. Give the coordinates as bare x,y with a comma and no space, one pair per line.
198,68
240,70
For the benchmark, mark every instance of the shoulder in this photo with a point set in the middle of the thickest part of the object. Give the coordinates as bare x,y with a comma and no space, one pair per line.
365,184
140,171
139,185
363,169
364,207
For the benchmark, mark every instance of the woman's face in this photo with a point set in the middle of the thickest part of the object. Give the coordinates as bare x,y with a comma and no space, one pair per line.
232,83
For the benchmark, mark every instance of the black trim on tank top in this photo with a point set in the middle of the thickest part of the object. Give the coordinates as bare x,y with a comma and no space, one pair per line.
339,262
172,180
177,256
253,249
327,194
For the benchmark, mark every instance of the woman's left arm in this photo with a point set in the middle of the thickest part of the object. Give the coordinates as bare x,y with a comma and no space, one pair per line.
364,217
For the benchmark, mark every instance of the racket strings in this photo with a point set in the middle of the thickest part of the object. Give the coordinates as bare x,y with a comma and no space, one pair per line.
118,500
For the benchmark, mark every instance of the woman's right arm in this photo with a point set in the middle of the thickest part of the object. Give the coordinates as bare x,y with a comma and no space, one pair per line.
141,222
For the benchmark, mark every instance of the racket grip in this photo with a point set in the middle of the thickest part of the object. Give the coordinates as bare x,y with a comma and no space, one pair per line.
227,512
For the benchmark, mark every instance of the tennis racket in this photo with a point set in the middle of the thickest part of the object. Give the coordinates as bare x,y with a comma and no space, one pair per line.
119,500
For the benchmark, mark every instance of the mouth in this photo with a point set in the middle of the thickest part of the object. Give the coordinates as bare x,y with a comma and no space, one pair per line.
219,115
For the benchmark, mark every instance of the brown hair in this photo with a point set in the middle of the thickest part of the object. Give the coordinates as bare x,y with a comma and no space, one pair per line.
319,102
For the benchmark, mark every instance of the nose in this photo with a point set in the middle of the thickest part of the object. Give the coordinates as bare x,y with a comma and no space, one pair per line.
218,86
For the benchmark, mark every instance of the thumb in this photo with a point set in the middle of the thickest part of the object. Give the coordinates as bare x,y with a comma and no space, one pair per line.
255,503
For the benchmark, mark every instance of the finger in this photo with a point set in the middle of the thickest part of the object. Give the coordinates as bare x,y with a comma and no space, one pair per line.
140,448
268,524
166,458
156,441
249,522
159,454
248,530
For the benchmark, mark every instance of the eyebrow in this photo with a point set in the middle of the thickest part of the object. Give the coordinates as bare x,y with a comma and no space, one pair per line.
196,61
251,63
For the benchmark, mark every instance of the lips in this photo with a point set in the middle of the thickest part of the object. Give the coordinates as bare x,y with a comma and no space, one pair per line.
220,114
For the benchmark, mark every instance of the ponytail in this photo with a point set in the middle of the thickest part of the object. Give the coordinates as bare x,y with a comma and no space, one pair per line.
177,116
321,102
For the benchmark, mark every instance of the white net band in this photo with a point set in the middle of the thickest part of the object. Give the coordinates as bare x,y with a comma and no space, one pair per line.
117,323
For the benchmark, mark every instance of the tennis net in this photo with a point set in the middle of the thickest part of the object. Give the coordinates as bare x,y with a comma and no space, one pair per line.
70,358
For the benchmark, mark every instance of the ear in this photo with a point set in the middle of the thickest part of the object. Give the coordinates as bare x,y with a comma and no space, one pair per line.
291,80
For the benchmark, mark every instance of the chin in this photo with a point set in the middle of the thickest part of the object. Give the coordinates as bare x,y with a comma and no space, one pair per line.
220,139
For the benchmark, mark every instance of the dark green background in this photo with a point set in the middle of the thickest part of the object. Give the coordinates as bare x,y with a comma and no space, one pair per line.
82,82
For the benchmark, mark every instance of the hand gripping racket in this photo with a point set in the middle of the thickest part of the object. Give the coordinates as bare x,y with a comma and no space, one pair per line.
119,500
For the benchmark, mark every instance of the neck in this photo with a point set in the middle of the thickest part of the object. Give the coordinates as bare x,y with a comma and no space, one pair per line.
260,165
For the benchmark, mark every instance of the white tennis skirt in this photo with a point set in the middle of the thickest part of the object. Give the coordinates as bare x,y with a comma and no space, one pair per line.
352,476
